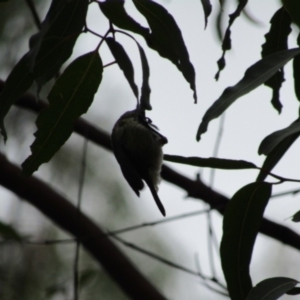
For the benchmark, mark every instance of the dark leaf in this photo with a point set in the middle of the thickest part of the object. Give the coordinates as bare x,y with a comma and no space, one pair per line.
292,6
145,90
116,13
294,291
207,8
241,223
226,45
275,155
296,217
54,43
216,163
69,98
271,288
9,232
271,141
166,38
257,74
296,69
17,83
277,40
124,63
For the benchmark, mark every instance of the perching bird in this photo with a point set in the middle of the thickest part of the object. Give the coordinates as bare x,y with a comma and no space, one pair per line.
137,146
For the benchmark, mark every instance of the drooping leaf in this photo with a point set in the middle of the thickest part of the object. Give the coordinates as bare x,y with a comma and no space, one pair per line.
216,163
166,38
257,74
296,71
116,13
145,89
69,98
277,40
54,43
226,45
124,63
207,8
271,141
241,223
271,288
8,232
17,83
275,155
296,217
292,6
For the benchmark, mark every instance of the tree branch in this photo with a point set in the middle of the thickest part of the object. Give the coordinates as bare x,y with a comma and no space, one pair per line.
64,214
195,188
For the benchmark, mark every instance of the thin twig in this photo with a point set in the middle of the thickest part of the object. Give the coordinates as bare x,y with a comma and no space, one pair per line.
217,148
214,280
162,260
34,13
118,231
293,192
212,241
79,201
109,64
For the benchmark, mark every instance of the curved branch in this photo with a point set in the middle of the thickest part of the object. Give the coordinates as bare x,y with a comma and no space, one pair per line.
64,214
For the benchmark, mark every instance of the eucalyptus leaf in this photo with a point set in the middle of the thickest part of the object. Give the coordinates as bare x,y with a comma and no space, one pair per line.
277,40
241,224
53,44
275,155
145,90
271,288
296,217
166,38
124,63
116,13
216,163
271,141
207,8
254,76
70,97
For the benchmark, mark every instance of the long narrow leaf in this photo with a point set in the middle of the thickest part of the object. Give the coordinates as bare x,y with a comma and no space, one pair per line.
257,74
124,63
53,45
277,40
226,45
166,38
271,288
271,141
145,90
69,98
275,155
296,71
216,163
241,223
207,8
116,13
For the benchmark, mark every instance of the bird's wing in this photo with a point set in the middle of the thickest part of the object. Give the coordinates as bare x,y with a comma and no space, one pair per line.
128,170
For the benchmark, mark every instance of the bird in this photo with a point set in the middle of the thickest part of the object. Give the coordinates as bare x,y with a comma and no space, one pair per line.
137,146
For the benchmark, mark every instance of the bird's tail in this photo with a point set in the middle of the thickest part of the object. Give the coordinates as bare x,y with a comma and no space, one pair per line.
156,198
